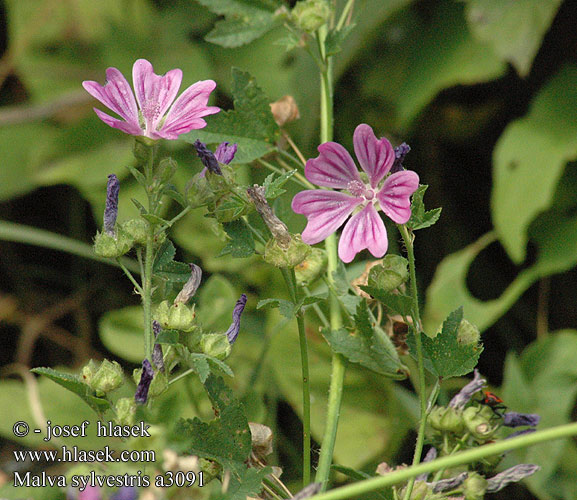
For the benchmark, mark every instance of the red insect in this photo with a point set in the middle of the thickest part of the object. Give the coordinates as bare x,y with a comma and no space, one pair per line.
494,402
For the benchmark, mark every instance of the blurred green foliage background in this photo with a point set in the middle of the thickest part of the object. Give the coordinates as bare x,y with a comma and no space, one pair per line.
484,91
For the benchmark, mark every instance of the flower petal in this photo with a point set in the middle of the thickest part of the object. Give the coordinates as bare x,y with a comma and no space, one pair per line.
376,156
325,211
333,167
127,127
154,93
116,95
189,108
364,230
395,195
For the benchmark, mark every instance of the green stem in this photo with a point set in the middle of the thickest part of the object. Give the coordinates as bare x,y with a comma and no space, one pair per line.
419,351
289,276
129,276
19,233
465,457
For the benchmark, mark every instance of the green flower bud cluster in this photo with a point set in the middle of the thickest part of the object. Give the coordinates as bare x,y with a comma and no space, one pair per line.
391,274
293,255
104,377
454,424
215,345
176,316
310,15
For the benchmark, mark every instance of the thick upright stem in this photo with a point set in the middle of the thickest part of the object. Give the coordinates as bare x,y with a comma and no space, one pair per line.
407,237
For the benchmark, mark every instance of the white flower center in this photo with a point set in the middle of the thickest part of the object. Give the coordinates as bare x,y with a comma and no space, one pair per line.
357,188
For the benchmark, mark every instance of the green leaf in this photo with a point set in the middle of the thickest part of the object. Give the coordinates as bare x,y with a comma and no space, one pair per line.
250,125
247,485
529,160
241,242
225,439
173,271
229,208
419,218
286,307
514,28
335,39
137,174
75,385
168,337
174,194
273,187
368,346
231,33
445,356
216,300
396,303
200,366
121,332
164,255
443,54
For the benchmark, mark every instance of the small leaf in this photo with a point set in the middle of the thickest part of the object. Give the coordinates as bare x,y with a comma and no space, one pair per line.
241,244
229,209
75,385
396,303
445,356
173,271
168,337
335,39
164,255
172,192
419,218
140,206
137,174
231,33
286,307
155,219
273,186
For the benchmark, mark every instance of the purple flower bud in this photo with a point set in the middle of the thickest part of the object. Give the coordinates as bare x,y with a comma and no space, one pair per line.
125,493
225,152
111,210
234,328
429,457
514,419
449,484
512,475
466,393
141,395
520,433
277,227
308,491
207,157
191,286
400,153
157,357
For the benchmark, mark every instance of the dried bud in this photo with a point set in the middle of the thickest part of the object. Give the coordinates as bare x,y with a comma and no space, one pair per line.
177,316
233,329
285,110
460,399
429,457
157,357
108,377
111,209
392,273
312,267
400,152
125,411
277,227
136,229
225,152
215,345
261,440
207,158
310,15
449,484
512,475
191,286
146,376
514,419
125,493
520,433
308,491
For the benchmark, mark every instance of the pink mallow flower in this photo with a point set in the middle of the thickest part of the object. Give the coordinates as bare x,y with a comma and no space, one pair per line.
148,114
327,210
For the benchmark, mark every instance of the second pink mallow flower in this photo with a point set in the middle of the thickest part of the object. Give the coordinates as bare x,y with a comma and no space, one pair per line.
327,210
148,113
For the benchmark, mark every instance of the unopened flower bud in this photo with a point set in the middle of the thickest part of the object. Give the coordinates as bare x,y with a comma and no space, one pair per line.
393,272
512,475
446,420
277,227
514,419
125,411
285,110
108,377
166,170
198,191
310,15
88,371
191,286
234,328
296,252
475,487
225,152
111,247
137,230
400,152
144,380
312,267
460,399
176,316
215,345
478,422
207,157
111,209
